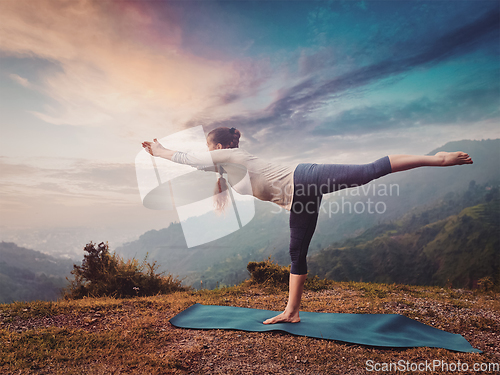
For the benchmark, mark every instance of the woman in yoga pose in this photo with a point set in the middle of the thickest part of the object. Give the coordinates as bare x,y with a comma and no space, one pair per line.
298,189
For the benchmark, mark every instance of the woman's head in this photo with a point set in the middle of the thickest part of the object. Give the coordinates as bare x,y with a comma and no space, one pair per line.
223,137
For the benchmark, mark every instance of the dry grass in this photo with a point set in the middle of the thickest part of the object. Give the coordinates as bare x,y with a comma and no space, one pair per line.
133,336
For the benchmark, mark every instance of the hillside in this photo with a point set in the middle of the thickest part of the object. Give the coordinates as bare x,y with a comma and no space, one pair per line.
27,275
104,336
426,247
223,262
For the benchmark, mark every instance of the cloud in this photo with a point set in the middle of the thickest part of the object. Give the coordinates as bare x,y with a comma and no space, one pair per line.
122,64
294,108
312,61
100,176
118,62
48,192
22,81
298,118
307,95
248,77
12,170
77,176
455,107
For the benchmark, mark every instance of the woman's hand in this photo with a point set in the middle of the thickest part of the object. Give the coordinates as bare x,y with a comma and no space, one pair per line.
154,148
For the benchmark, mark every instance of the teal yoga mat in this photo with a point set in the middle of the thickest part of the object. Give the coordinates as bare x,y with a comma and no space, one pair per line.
382,330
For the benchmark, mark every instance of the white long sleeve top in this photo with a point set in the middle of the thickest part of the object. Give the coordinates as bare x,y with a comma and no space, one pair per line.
269,182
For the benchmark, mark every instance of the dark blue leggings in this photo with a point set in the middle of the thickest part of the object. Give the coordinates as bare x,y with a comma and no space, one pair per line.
311,181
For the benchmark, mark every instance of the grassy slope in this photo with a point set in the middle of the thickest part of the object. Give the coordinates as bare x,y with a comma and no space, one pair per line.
101,336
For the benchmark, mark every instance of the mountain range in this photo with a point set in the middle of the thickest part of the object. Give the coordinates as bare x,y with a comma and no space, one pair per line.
434,246
27,275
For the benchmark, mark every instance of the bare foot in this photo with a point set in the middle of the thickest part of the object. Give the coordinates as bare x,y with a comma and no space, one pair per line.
454,158
284,317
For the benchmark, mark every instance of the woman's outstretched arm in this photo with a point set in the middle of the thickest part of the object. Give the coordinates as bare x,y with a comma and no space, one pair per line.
156,149
441,159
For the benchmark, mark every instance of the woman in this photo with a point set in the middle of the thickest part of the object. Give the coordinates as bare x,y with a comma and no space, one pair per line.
298,189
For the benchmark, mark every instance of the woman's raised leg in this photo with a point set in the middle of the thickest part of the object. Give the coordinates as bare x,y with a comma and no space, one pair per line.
441,159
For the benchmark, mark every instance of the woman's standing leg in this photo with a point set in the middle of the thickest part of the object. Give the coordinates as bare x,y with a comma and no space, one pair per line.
311,181
303,218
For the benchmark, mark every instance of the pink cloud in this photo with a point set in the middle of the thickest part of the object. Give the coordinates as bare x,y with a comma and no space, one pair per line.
119,62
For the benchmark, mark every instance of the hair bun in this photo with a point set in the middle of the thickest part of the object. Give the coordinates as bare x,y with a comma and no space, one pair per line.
227,137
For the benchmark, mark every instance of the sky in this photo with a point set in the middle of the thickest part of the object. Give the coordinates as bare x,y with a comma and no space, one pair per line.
84,82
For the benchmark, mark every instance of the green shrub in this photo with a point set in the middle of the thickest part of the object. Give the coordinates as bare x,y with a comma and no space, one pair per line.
268,273
487,284
105,274
316,284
